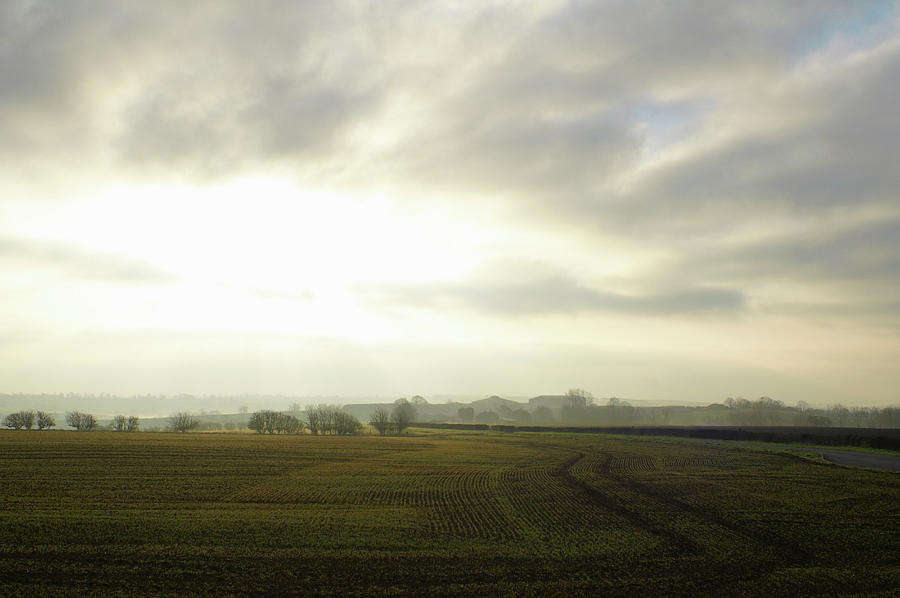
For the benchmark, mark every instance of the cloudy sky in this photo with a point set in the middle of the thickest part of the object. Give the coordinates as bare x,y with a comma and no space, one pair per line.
663,200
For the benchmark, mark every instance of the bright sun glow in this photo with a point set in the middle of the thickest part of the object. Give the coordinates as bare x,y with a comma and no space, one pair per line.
262,254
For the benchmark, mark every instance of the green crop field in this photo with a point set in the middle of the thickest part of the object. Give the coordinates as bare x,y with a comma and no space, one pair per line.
435,513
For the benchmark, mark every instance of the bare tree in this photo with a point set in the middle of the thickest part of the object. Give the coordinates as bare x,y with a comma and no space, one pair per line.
120,423
45,420
331,419
575,409
313,420
403,414
291,424
860,414
802,414
839,412
13,422
380,420
344,423
578,398
83,422
21,420
183,421
257,423
274,422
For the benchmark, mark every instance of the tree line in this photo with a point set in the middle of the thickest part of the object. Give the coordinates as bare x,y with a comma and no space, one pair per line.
82,422
397,420
321,420
26,420
579,408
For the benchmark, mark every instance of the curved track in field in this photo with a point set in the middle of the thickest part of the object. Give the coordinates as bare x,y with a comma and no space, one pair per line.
859,459
880,461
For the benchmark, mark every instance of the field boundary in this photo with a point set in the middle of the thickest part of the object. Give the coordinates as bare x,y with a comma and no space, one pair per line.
878,438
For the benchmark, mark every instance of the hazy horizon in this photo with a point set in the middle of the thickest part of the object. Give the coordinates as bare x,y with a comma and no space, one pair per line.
669,202
164,406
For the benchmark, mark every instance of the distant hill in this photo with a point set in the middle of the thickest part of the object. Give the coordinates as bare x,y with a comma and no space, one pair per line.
493,403
550,401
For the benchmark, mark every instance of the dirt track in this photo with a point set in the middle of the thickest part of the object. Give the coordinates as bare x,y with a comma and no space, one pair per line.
836,456
859,459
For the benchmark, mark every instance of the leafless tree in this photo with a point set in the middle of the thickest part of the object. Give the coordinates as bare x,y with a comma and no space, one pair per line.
183,421
344,423
578,398
860,414
120,423
45,420
839,412
403,414
21,420
274,422
331,419
83,422
575,409
314,420
380,420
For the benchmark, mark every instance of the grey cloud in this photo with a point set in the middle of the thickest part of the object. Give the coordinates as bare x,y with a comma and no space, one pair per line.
852,273
529,155
839,154
277,117
205,88
81,263
672,42
522,106
292,115
548,112
548,294
511,97
864,252
872,311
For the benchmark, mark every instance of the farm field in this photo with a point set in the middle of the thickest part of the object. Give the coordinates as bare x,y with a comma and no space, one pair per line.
435,513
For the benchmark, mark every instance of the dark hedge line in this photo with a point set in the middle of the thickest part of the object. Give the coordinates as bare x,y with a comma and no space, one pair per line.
863,437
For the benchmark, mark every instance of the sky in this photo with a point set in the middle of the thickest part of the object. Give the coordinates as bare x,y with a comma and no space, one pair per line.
651,200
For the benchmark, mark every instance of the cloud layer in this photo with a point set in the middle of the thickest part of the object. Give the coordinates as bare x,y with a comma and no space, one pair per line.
681,162
76,262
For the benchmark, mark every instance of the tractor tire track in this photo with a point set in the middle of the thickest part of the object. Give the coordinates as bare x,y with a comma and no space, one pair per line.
761,537
605,502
